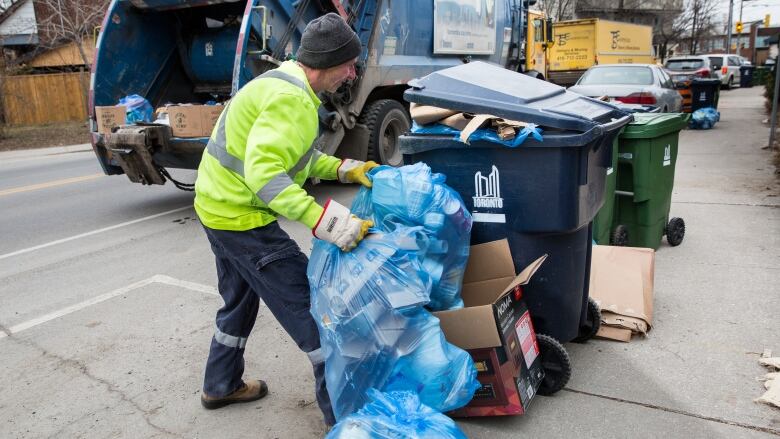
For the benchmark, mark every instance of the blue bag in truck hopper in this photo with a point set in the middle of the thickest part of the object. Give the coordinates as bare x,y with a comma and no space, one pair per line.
414,196
374,330
395,415
138,109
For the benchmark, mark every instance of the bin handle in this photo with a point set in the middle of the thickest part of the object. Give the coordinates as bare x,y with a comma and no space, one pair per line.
618,123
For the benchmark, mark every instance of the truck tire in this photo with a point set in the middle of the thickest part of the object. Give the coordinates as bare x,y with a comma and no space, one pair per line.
386,119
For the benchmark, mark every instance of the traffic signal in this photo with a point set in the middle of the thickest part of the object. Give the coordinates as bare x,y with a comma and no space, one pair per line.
766,20
739,27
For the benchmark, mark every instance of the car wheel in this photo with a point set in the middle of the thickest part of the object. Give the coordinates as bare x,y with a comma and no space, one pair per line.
730,83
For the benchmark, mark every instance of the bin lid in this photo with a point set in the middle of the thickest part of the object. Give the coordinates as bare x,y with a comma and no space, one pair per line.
487,88
652,125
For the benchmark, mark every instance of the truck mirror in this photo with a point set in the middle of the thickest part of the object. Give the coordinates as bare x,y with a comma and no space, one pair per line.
548,30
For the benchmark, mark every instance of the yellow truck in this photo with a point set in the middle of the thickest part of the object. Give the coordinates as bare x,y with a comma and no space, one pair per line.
579,44
536,44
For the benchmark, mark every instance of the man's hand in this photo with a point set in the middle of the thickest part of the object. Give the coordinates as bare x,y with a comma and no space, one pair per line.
337,225
354,171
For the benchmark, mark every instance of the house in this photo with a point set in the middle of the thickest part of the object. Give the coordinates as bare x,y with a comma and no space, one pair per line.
754,44
18,27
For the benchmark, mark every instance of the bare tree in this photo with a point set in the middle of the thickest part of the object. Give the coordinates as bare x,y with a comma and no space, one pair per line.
69,21
558,10
697,22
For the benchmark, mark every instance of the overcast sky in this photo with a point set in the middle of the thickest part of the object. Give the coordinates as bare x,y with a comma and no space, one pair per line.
752,10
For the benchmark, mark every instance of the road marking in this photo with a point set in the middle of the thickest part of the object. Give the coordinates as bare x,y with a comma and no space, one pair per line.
94,232
159,278
48,184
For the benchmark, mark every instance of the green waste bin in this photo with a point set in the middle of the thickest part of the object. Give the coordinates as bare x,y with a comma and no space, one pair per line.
602,223
647,153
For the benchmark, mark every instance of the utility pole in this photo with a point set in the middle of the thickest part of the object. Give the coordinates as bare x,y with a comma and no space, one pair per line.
728,31
774,107
739,36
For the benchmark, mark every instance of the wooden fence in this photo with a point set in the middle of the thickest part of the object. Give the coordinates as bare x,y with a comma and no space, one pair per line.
41,99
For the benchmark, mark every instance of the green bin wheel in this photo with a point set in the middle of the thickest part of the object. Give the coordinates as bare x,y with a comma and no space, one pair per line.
619,236
592,322
556,364
675,231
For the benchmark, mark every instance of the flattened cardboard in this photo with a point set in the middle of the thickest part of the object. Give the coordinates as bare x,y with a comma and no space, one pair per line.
109,117
621,282
473,125
613,333
425,114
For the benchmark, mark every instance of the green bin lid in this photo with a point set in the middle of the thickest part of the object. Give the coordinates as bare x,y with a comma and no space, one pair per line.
652,125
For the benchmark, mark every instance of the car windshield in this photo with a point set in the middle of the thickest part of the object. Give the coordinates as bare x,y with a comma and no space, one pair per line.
617,75
716,62
684,64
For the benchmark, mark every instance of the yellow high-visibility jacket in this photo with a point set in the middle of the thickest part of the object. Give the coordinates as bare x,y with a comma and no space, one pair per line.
261,152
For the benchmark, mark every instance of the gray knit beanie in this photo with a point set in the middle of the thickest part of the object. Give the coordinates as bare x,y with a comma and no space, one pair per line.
328,41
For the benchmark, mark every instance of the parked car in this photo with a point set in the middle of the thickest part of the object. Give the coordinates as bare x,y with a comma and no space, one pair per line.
683,69
726,67
643,84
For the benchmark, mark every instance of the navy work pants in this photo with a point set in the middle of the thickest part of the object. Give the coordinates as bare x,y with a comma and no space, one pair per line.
262,263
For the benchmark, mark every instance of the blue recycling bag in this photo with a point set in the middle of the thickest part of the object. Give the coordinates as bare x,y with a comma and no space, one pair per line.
480,134
138,109
704,118
395,415
374,330
414,196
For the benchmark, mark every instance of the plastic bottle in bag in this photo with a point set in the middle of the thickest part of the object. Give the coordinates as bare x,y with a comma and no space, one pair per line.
395,415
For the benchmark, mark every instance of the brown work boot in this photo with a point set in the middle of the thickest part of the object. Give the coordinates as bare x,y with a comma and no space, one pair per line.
251,390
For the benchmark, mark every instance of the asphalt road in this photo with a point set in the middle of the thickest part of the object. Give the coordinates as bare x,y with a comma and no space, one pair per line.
107,296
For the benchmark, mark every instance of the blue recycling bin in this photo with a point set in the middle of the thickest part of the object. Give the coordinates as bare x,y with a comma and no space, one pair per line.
541,196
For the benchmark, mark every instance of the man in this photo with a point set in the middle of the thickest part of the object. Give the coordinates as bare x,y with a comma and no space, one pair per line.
258,157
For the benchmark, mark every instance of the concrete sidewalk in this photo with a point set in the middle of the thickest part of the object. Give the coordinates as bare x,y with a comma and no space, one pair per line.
107,336
716,308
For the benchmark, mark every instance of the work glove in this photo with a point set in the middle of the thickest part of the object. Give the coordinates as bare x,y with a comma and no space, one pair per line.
337,225
354,171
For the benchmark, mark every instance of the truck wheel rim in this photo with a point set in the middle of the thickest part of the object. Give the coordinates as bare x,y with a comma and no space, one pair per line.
391,153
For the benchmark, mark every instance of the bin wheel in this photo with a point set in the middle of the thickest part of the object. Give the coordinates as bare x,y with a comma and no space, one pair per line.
556,365
675,231
620,236
386,119
592,322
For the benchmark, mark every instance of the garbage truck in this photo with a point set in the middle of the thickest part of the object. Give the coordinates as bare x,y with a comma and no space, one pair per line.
202,51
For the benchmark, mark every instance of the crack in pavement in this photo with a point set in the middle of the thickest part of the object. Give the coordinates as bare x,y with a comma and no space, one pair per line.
679,412
111,388
712,203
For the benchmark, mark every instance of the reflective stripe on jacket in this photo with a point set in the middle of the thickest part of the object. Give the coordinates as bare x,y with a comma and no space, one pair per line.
261,152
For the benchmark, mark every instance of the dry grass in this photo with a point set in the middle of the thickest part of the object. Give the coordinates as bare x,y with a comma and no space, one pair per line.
43,136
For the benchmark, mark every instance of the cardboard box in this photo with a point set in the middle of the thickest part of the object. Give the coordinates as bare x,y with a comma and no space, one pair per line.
495,328
621,282
192,120
109,118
